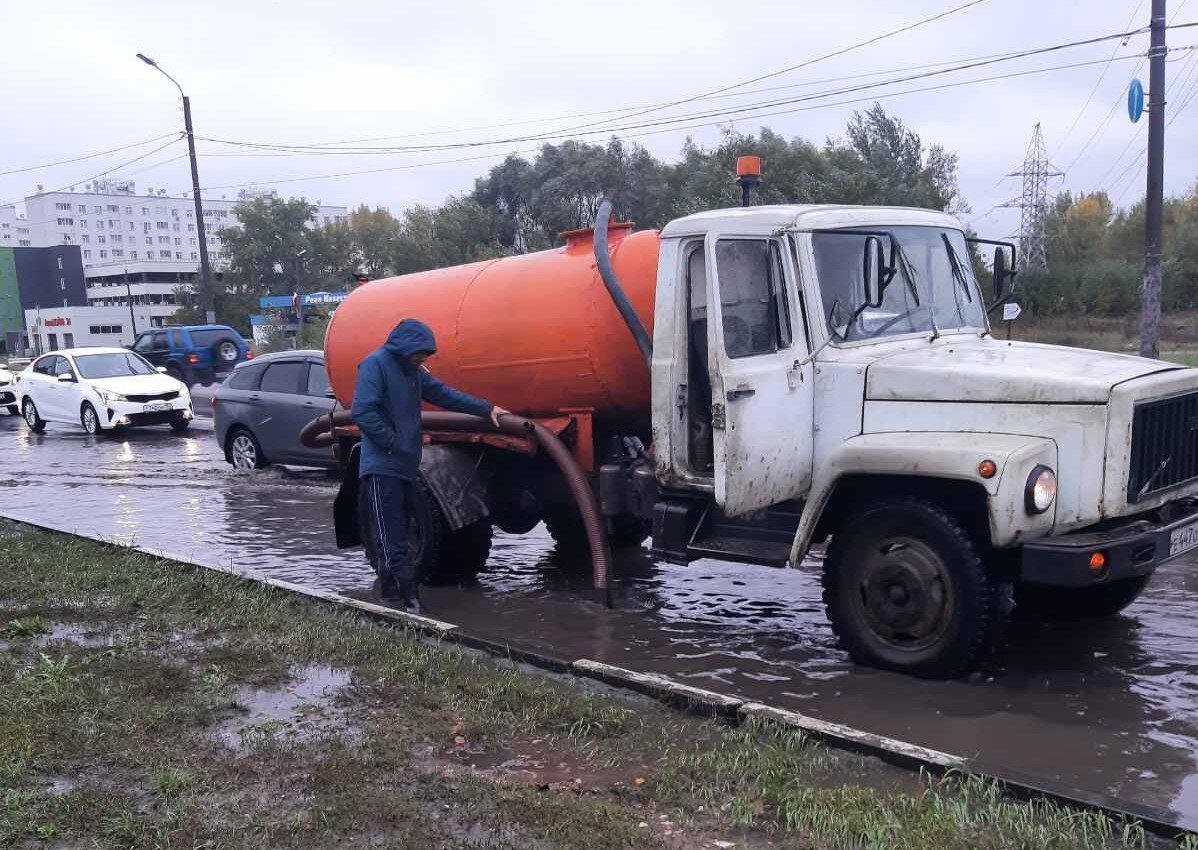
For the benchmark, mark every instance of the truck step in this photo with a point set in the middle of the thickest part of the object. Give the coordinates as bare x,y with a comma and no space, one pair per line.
768,553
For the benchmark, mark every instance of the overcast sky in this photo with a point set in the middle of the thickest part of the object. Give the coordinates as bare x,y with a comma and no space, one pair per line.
304,72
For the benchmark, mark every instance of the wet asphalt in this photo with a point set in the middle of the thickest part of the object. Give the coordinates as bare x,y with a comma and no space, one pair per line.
1109,707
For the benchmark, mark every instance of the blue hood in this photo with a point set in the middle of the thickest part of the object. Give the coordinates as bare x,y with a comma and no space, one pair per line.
409,337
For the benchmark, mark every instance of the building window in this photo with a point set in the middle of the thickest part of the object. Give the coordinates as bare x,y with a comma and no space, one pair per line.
85,239
191,228
66,222
113,208
83,223
149,240
164,225
60,263
118,252
175,227
97,209
166,255
159,211
194,255
100,239
145,227
178,241
133,255
66,239
189,214
128,210
178,255
24,243
103,255
193,242
99,224
62,284
106,329
174,213
62,206
87,255
83,208
113,223
131,226
164,240
145,210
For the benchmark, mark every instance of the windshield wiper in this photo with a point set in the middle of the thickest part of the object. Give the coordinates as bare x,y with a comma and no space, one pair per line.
957,266
909,273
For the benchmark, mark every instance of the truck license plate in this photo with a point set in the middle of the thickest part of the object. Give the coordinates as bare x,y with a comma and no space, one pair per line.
156,407
1183,539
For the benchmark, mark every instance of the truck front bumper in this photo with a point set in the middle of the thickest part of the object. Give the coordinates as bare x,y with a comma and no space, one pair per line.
1135,549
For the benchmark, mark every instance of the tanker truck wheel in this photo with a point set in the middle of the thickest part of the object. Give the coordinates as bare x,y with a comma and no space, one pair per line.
1044,604
906,590
463,555
568,532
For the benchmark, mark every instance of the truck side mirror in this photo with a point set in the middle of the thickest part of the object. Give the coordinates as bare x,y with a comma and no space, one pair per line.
873,271
1002,274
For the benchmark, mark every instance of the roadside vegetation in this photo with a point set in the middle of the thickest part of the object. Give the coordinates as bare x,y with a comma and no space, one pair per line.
1179,333
147,703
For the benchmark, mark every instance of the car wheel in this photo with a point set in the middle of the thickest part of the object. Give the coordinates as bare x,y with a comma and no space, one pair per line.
35,422
224,352
89,419
244,450
181,425
906,590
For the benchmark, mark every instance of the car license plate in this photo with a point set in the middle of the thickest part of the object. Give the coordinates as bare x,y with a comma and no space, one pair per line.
156,407
1183,539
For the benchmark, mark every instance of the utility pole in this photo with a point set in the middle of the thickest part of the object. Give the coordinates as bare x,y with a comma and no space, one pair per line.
205,271
132,320
1150,323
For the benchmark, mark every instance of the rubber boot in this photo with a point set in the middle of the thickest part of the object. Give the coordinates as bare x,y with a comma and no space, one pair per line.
389,589
410,599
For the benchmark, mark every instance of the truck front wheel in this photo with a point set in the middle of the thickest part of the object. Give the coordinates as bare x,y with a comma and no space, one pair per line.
906,590
1038,602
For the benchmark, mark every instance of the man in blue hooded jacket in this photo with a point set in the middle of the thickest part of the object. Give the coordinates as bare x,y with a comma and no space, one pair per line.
391,384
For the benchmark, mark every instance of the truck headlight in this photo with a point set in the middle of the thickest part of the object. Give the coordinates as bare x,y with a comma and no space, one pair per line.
1041,490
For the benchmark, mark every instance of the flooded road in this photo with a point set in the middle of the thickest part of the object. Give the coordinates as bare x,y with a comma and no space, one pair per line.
1108,707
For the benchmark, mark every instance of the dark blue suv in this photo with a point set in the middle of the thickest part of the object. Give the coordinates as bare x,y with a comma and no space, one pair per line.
193,353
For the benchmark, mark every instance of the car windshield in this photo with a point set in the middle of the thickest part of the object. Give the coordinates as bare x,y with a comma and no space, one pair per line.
932,289
117,364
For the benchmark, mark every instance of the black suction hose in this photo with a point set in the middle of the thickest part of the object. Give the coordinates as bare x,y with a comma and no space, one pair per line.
623,305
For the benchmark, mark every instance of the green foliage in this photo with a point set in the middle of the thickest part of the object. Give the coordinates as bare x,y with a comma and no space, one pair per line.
1096,257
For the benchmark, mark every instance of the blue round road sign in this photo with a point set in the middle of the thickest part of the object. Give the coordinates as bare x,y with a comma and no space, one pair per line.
1135,100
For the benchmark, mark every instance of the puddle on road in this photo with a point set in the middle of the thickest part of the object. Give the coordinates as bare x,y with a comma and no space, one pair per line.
303,708
1109,706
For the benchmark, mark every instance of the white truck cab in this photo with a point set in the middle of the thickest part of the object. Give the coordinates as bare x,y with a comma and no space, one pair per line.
830,372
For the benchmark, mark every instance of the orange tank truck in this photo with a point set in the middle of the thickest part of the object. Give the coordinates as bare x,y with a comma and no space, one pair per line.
537,334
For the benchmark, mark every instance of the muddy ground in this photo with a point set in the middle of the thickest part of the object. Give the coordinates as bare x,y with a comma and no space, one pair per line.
146,703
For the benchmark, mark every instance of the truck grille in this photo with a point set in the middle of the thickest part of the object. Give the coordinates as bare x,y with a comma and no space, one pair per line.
171,396
1164,445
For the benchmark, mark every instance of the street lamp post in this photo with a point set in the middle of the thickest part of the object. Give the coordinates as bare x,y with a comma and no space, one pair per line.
129,298
205,274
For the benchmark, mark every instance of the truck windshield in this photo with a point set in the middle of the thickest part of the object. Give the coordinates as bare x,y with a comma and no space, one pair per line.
933,288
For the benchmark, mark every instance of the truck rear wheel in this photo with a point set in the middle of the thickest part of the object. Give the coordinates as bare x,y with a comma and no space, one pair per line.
906,590
464,554
568,532
1042,603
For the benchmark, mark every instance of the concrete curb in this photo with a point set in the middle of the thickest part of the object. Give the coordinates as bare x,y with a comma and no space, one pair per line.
699,701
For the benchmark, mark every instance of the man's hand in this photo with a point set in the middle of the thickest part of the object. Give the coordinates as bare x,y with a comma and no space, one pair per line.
496,412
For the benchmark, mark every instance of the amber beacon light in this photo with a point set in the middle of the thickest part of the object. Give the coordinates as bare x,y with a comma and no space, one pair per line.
748,175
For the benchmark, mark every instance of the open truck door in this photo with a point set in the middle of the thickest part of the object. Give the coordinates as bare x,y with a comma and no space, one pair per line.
762,390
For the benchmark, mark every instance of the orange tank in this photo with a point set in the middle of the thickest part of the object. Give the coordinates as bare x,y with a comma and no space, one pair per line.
537,333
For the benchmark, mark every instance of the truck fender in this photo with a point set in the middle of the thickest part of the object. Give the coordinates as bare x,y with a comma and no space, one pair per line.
458,480
939,455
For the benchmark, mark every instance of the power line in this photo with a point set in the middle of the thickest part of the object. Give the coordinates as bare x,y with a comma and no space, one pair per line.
667,129
105,173
692,116
804,64
1097,84
176,134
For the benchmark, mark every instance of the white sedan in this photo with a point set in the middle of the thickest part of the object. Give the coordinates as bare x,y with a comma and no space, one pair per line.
101,389
8,391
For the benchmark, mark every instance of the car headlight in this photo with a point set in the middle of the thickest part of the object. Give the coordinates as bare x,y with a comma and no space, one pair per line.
108,397
1041,490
